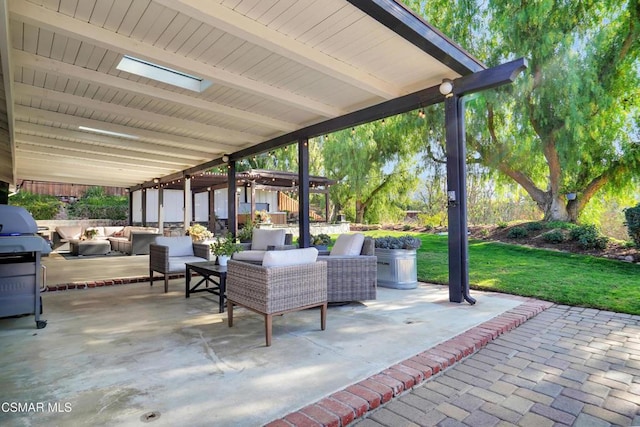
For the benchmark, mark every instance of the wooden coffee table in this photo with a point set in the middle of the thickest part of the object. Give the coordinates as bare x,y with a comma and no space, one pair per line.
214,279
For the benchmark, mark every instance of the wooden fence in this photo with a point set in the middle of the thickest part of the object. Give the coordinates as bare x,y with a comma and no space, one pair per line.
63,190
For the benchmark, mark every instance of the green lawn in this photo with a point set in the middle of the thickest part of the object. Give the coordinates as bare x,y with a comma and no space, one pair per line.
571,279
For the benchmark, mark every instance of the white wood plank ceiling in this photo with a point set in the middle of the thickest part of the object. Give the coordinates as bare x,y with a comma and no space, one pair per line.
276,66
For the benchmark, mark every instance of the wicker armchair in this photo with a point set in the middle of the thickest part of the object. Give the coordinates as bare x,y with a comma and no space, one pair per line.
276,290
168,255
352,278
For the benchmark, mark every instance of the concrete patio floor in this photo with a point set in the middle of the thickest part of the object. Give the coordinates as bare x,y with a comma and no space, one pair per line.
114,354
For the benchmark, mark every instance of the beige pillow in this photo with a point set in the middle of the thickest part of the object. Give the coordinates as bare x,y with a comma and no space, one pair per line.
264,237
178,246
69,231
348,244
289,257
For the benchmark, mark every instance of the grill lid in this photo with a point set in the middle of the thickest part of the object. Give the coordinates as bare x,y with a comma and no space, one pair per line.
16,220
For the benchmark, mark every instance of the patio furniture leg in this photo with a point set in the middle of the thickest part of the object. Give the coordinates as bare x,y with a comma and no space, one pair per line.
268,322
323,316
150,277
166,283
230,313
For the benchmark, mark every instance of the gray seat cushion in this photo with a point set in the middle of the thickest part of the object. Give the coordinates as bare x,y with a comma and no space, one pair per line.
249,256
177,264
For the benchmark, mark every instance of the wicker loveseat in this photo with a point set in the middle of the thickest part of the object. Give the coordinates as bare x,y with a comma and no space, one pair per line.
134,240
288,280
352,277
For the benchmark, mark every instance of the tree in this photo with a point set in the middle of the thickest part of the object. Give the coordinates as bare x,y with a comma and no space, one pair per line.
375,166
40,206
570,124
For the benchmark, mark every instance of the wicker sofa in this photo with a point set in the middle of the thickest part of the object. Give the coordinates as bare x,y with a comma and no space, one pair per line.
130,239
352,277
134,240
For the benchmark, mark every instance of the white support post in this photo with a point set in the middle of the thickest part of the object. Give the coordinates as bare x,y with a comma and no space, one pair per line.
187,202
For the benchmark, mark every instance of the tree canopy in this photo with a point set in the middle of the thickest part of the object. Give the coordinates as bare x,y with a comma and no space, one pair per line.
376,166
570,124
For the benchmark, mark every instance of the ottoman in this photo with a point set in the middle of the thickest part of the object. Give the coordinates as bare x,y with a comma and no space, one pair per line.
90,247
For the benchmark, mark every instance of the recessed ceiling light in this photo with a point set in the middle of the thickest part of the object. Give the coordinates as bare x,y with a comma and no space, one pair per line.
162,74
108,132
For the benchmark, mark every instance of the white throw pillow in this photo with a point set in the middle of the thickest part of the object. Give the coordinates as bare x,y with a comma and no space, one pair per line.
263,237
289,257
178,246
348,244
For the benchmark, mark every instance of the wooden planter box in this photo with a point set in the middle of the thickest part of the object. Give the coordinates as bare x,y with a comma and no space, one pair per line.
397,268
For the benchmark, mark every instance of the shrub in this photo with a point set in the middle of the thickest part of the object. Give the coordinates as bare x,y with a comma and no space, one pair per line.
534,226
406,227
552,225
320,240
484,233
96,204
632,221
245,233
432,221
588,237
39,205
503,224
517,233
402,242
553,236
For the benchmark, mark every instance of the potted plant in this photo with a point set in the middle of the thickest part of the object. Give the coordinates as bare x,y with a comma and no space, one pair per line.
320,241
199,233
90,233
263,217
397,263
224,248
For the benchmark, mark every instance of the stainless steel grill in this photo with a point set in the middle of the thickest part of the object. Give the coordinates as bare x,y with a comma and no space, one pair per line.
21,249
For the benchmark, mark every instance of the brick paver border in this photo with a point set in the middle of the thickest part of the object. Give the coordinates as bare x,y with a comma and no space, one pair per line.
101,283
345,406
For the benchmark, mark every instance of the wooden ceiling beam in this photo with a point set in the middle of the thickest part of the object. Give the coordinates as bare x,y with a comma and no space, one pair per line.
96,140
6,75
48,65
132,113
168,161
65,25
149,141
248,29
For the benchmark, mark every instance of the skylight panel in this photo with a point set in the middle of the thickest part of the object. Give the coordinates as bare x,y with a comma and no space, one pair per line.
107,132
162,74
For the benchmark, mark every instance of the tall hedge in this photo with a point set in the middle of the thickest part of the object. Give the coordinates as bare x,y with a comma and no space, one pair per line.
96,204
40,206
632,221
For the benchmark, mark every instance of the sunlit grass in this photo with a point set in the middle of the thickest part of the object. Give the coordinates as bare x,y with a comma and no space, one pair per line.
564,278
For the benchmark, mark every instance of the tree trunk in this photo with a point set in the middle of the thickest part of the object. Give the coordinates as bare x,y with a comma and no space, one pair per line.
360,210
556,208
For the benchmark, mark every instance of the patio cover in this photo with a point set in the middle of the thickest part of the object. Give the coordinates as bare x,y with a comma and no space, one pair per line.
276,67
267,74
